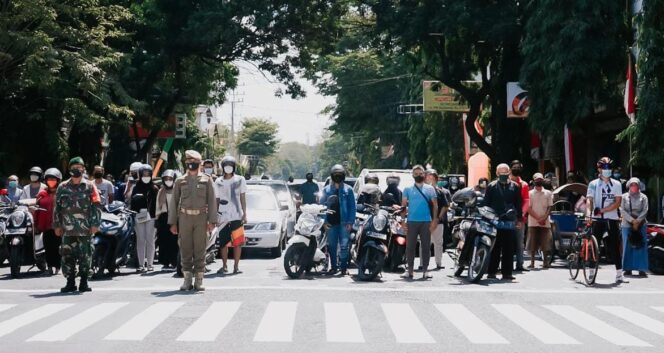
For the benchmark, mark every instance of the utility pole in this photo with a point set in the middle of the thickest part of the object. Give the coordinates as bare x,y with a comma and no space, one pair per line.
235,98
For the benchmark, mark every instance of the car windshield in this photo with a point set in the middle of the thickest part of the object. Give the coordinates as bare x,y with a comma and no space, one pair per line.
406,179
282,191
261,200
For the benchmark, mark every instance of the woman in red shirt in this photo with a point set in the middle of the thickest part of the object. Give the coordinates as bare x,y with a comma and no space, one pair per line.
44,220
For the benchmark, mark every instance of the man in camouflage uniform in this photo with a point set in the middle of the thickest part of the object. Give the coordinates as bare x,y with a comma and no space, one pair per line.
76,217
192,213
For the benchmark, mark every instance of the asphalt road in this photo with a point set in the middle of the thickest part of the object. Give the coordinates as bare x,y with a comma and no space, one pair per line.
262,310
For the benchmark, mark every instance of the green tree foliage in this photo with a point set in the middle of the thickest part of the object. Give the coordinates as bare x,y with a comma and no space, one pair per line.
574,59
258,137
293,159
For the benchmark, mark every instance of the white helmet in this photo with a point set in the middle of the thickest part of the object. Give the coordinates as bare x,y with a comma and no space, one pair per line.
135,167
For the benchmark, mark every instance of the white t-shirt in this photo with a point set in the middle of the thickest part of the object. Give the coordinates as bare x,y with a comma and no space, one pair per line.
604,194
230,190
105,188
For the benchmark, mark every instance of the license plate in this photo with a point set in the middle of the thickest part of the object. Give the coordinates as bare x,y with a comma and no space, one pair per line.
381,236
15,231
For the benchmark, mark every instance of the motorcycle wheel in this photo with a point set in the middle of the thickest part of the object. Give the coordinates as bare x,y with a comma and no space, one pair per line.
15,260
479,262
293,260
371,264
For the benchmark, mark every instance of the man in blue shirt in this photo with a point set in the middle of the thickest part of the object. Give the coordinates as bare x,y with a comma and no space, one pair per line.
421,202
309,191
339,198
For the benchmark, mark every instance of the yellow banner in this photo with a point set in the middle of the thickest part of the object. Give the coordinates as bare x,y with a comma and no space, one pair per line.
440,98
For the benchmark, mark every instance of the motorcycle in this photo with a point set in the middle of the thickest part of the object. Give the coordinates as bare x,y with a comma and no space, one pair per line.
307,249
656,248
5,212
372,243
114,242
26,247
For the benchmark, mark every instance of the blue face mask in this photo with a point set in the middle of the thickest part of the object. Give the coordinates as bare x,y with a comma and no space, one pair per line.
441,184
606,173
13,184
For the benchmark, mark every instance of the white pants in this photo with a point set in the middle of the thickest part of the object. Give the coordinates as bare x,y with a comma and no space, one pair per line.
437,240
145,242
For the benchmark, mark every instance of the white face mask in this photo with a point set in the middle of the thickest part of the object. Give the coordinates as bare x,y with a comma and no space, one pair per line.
168,183
607,173
228,169
34,178
209,170
146,180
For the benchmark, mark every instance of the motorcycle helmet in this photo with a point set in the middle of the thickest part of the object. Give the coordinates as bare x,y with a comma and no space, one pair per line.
605,163
135,167
228,161
36,170
168,173
53,173
145,168
338,173
393,179
371,178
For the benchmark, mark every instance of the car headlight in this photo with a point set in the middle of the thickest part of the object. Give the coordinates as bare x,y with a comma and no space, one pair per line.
17,218
379,222
265,226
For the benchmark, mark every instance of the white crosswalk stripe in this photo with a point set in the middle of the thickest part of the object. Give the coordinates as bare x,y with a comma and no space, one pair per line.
405,325
658,308
542,330
277,323
4,307
211,323
142,324
597,326
31,316
637,319
77,323
341,323
470,325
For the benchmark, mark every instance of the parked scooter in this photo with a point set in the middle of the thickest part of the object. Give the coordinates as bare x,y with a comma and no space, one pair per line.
396,247
372,243
114,241
5,212
26,247
656,248
307,249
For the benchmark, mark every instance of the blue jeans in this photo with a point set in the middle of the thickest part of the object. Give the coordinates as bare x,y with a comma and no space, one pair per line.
338,238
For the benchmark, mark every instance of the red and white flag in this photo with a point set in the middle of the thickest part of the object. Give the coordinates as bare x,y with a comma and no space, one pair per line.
629,92
569,149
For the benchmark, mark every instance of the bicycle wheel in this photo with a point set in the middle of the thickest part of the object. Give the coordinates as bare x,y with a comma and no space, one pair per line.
590,260
573,264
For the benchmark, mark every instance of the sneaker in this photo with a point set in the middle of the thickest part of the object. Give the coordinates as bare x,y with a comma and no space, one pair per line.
332,271
140,270
627,273
642,274
493,276
344,272
620,279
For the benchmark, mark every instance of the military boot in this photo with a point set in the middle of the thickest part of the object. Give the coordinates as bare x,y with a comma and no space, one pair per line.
198,282
83,286
187,281
71,285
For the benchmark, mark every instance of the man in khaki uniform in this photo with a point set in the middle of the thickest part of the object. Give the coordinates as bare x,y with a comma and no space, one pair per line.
191,214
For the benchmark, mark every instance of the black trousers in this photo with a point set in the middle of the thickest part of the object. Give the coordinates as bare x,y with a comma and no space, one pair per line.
167,242
52,248
505,243
613,242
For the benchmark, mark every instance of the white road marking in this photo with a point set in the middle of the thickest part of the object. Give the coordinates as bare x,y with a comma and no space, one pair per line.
342,324
4,307
470,325
15,323
277,323
658,308
211,323
596,326
77,323
142,324
638,319
542,330
407,328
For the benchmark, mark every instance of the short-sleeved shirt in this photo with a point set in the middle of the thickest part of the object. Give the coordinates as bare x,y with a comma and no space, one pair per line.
604,194
31,193
418,203
441,197
230,190
309,191
105,188
540,201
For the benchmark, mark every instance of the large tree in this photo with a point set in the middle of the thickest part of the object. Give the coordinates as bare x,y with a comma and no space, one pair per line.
258,138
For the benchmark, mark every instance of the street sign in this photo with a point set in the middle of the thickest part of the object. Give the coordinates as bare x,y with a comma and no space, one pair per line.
180,126
440,98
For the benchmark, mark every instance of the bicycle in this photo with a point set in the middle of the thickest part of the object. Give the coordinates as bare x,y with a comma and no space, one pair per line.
584,254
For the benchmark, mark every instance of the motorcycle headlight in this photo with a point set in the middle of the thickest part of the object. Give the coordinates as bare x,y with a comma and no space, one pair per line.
17,218
379,222
265,226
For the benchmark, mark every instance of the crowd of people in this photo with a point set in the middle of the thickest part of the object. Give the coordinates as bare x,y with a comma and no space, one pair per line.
177,214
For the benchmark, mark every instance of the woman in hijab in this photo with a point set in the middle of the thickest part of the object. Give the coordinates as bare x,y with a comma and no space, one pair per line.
143,202
634,208
167,241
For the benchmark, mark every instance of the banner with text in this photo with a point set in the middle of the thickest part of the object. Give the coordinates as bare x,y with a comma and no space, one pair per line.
518,103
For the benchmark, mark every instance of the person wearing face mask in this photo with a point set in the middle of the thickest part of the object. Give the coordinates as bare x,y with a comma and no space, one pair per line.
14,191
208,168
76,217
143,202
339,224
617,175
44,220
192,214
231,188
634,208
441,218
104,186
31,190
539,227
421,203
504,197
309,190
132,180
516,169
392,195
481,185
166,241
603,199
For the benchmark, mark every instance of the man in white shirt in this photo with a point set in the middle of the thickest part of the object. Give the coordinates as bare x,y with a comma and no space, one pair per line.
230,188
603,200
105,187
31,190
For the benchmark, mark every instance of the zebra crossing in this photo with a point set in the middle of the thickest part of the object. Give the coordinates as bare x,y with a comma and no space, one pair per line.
277,321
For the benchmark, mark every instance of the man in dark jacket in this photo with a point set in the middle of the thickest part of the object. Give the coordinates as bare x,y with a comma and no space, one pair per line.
503,195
